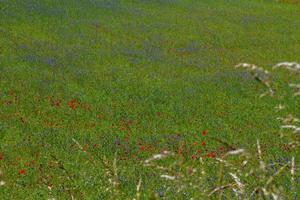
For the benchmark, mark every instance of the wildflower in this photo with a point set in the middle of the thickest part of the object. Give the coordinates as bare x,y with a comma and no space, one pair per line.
203,144
142,148
22,171
72,104
158,114
1,157
203,132
222,148
95,145
211,155
194,156
2,183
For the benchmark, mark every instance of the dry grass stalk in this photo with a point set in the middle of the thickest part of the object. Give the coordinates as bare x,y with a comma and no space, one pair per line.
260,74
138,190
221,188
291,66
261,162
240,185
293,173
158,156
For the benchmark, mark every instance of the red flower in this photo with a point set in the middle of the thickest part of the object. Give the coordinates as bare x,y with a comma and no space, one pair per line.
203,132
22,171
72,104
158,114
194,156
199,151
142,148
222,148
203,144
1,157
95,145
211,155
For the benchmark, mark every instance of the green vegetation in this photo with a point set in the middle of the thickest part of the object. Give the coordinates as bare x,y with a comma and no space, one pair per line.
91,89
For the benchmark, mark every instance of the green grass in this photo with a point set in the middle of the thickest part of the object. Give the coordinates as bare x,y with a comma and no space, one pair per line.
143,73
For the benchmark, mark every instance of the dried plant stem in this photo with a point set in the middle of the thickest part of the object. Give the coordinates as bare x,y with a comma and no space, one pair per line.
293,174
223,187
259,154
138,190
271,179
221,176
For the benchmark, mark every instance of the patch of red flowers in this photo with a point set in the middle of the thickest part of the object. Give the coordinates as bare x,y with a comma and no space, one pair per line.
22,171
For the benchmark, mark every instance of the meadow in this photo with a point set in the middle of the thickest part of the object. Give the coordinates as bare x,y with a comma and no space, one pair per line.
137,99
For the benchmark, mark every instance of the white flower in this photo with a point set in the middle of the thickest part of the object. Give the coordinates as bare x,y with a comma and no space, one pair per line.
2,183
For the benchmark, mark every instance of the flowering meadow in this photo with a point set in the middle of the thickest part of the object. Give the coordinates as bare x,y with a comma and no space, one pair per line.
160,99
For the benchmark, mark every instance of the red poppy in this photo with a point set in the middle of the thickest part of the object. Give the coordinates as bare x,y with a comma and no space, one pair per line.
95,145
203,144
1,157
194,156
211,155
142,148
203,132
72,104
22,171
199,151
222,148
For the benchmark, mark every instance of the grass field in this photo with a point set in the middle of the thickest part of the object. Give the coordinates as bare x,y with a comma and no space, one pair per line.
92,90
